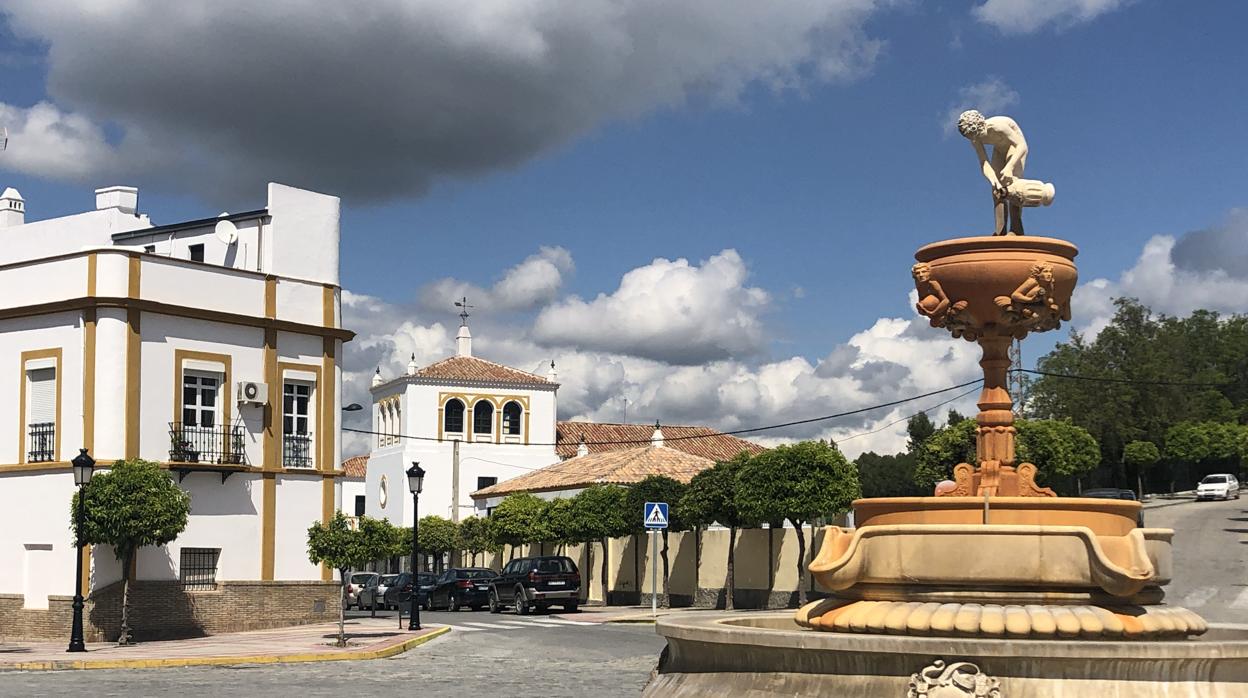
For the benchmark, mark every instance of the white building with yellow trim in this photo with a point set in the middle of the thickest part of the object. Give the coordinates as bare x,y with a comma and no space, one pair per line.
210,346
500,420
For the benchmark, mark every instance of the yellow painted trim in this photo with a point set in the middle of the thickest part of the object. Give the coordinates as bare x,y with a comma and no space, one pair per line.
88,378
327,511
272,461
227,386
86,569
279,423
270,297
166,662
134,276
92,274
328,317
268,525
168,465
134,376
470,401
26,357
328,387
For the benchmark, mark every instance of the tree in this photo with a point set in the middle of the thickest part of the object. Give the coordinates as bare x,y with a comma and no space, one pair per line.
803,482
919,428
337,544
888,476
475,536
559,521
133,505
438,536
1213,445
599,513
935,459
518,519
1141,456
659,488
710,499
954,417
1058,448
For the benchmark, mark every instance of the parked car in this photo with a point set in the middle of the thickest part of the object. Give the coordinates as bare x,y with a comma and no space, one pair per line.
400,592
1218,486
372,594
459,587
1116,493
536,583
355,584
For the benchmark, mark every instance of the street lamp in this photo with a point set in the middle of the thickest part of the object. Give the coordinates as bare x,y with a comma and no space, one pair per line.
415,482
84,466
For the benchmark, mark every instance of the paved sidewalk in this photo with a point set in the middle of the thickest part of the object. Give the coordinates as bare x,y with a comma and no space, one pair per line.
367,639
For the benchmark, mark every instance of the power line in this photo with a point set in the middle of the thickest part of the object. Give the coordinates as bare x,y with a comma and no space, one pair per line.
955,398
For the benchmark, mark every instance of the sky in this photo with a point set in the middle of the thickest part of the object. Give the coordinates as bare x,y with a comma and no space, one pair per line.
707,209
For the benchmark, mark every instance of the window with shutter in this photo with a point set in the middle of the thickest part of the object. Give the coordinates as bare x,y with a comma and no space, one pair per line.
41,414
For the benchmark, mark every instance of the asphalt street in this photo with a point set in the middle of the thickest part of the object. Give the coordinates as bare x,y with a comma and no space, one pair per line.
1210,557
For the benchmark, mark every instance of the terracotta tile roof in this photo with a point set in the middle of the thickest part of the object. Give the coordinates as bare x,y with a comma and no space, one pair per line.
620,467
709,443
356,466
476,369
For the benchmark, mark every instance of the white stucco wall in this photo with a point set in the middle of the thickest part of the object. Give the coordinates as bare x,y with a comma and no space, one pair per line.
35,515
298,506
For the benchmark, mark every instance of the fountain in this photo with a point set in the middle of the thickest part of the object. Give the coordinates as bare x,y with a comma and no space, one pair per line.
996,586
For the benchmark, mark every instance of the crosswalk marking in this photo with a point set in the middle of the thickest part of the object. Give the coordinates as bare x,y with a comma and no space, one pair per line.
462,628
564,621
471,626
1241,601
492,626
1199,597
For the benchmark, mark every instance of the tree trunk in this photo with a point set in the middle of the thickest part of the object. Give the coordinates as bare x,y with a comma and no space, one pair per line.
732,582
697,561
342,605
589,567
801,564
1139,484
667,591
637,565
771,568
124,638
604,570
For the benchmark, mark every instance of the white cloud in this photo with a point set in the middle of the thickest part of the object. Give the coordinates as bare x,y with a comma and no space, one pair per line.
532,283
381,100
990,96
45,140
1026,16
668,311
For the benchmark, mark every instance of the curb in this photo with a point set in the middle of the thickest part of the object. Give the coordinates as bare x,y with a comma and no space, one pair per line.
636,621
65,664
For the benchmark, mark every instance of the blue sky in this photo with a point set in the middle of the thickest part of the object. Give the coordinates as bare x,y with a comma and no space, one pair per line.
824,187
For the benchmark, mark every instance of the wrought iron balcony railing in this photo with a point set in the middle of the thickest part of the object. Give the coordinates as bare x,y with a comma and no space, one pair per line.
297,450
221,444
42,442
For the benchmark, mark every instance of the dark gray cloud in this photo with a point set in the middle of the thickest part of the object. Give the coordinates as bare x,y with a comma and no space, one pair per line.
380,99
1221,248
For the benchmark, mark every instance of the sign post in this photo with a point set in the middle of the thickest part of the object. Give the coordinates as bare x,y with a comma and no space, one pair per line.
654,517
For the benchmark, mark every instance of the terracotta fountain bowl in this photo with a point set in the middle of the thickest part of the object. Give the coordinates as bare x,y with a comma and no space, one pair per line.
1104,517
979,270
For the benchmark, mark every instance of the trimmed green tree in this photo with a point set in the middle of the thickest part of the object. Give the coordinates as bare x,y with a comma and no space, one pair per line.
934,460
337,544
1058,448
133,505
438,536
1141,456
475,537
659,488
710,499
802,483
519,519
599,513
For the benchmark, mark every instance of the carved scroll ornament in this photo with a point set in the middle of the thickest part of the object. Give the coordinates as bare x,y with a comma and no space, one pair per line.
958,680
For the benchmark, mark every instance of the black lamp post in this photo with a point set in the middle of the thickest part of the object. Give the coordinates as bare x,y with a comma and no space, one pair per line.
84,466
415,482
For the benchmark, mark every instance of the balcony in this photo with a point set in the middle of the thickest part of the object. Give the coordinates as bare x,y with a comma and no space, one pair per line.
42,442
222,444
297,450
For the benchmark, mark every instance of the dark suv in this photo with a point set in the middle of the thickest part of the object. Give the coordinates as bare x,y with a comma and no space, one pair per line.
531,583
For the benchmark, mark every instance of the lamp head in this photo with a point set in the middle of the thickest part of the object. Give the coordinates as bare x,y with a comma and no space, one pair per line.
84,466
415,478
353,407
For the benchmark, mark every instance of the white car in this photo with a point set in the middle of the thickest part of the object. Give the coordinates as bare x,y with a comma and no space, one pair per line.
1219,486
356,584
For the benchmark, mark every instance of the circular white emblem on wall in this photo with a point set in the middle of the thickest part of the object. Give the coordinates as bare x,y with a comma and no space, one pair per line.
382,494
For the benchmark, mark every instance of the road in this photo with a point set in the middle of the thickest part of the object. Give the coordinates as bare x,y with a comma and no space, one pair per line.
1210,557
529,656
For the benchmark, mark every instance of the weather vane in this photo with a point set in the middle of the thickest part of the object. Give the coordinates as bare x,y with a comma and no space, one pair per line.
463,306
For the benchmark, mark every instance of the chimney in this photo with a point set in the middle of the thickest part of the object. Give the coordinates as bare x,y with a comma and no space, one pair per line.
124,199
464,341
377,379
411,365
583,449
552,374
657,438
12,209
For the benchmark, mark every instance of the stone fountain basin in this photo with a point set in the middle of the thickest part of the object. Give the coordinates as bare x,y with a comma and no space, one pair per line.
768,654
1104,517
975,556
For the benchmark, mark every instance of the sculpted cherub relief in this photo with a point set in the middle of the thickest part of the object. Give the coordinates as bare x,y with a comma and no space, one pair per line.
1004,168
935,305
1033,305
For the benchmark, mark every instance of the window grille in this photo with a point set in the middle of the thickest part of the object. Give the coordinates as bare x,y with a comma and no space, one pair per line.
297,450
41,415
483,418
220,444
453,418
42,442
199,568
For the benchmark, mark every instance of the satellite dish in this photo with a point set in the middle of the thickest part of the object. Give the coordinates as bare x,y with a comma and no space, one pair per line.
226,232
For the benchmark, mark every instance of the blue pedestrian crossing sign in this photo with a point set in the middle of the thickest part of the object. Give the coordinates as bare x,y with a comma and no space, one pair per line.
655,515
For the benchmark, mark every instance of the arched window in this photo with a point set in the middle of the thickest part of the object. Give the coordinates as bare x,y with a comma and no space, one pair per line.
511,418
453,417
483,417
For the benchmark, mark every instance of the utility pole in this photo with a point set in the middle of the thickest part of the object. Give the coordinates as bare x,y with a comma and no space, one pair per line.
1017,380
455,481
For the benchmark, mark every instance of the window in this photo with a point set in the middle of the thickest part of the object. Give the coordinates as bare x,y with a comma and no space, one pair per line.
296,436
41,414
511,418
197,252
483,418
453,417
484,482
199,399
199,568
149,249
359,505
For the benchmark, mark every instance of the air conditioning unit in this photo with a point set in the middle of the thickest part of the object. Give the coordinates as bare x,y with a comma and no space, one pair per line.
253,393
